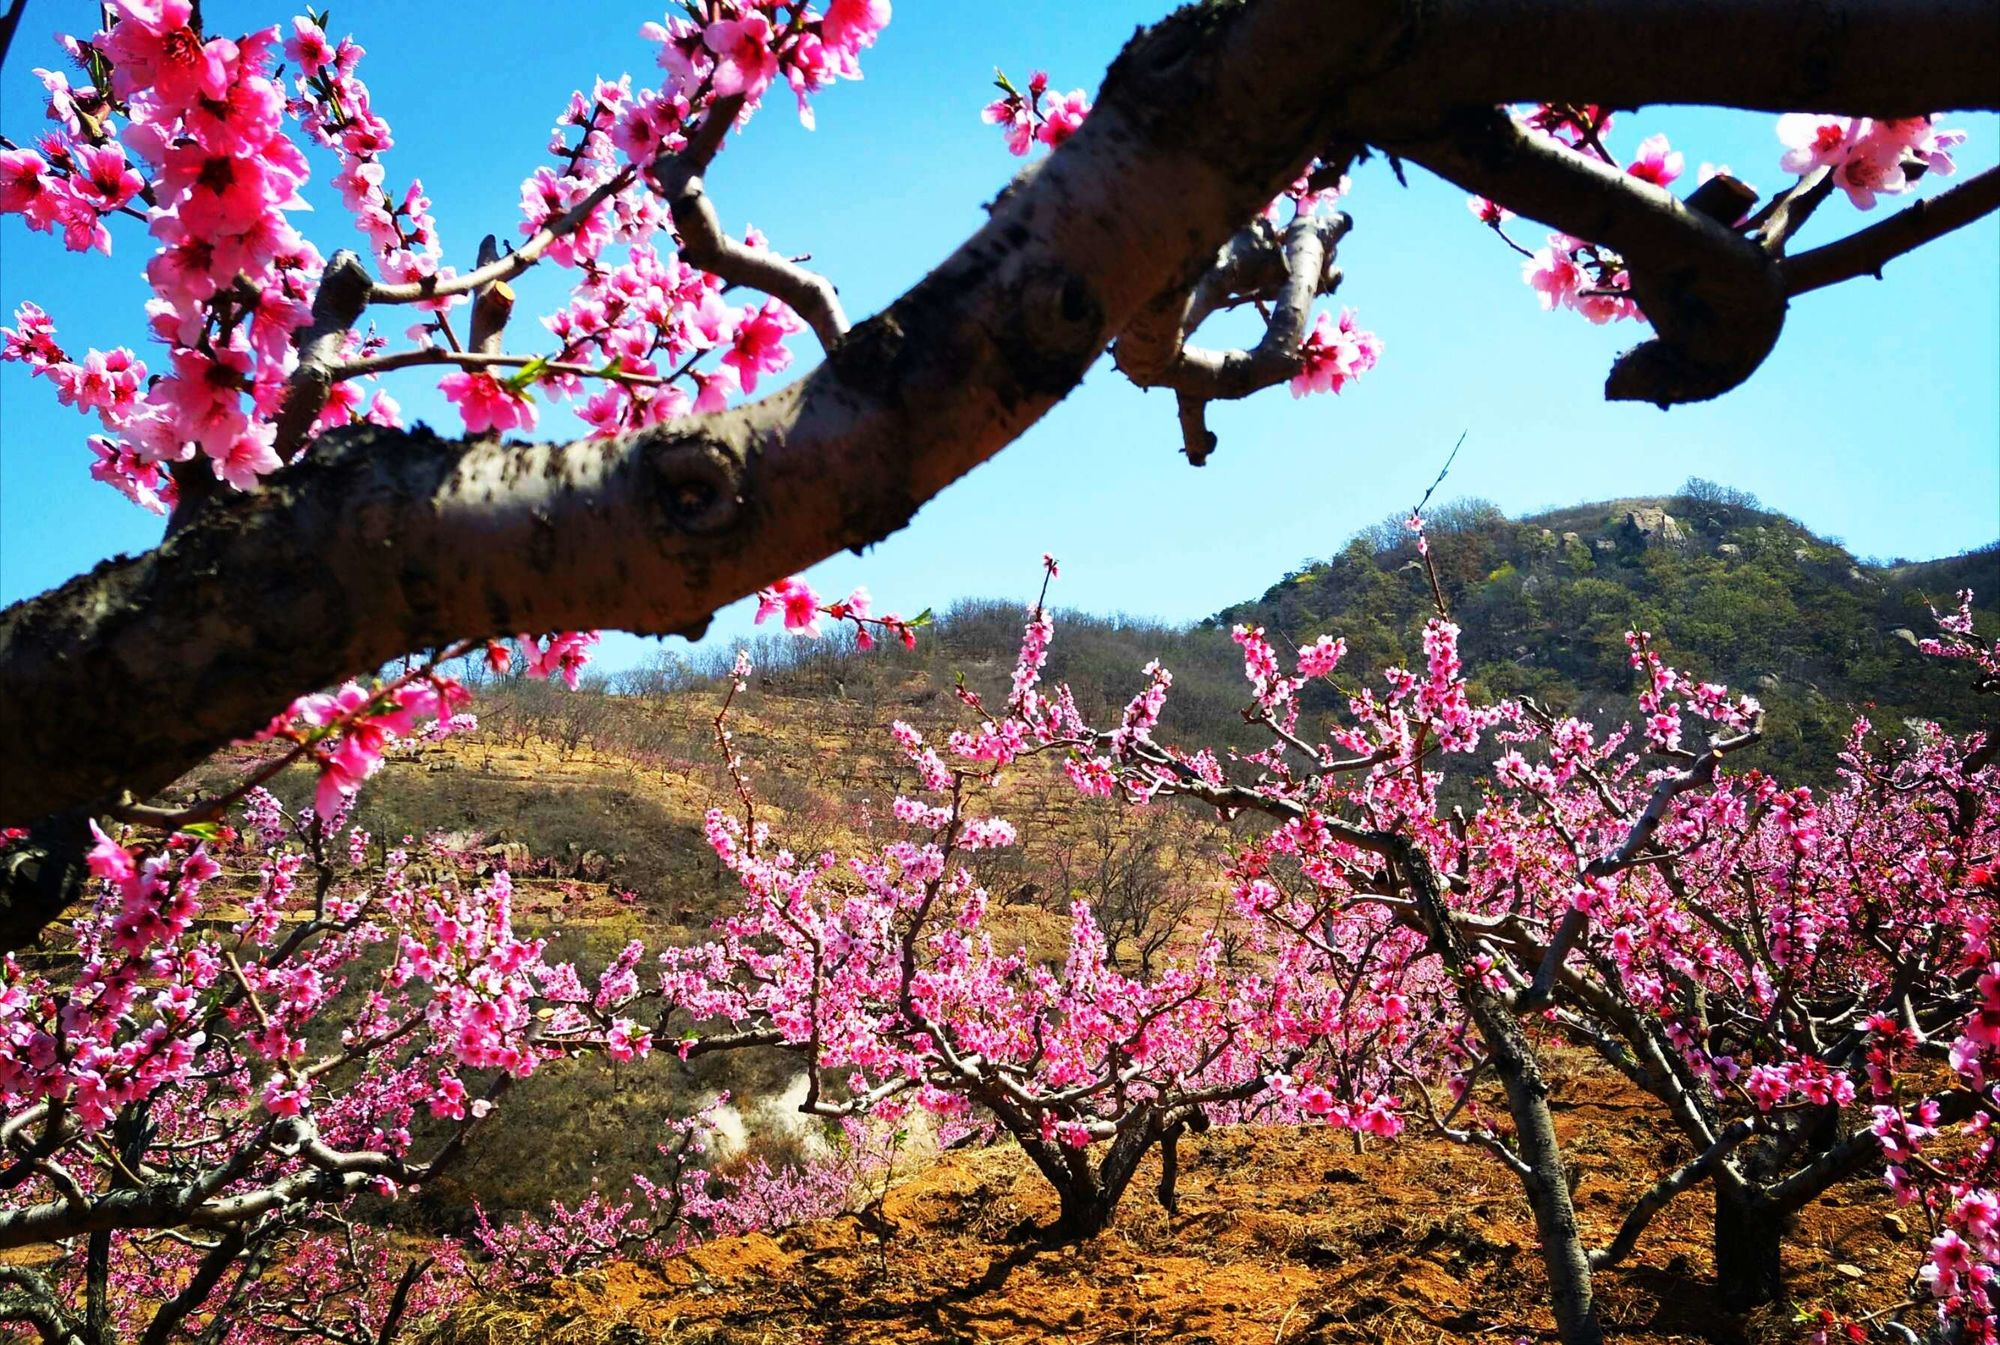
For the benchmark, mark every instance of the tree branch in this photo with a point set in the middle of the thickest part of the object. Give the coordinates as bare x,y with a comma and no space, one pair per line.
1304,270
1665,1189
1669,788
1713,297
1867,252
343,296
167,1320
26,1296
382,542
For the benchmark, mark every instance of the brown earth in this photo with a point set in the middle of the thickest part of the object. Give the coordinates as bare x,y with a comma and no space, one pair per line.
1285,1236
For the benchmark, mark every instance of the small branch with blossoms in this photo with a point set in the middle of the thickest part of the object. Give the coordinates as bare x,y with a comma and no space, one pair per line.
794,602
346,734
1865,253
1285,268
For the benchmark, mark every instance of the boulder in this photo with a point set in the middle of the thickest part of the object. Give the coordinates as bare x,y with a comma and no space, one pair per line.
509,855
1651,526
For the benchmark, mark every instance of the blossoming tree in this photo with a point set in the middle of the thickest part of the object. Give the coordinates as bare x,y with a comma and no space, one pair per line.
1759,959
883,970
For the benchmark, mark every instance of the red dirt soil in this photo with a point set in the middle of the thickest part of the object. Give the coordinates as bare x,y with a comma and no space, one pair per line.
1285,1236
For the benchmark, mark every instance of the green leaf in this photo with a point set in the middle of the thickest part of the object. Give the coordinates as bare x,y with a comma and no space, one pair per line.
920,620
1001,82
203,831
519,383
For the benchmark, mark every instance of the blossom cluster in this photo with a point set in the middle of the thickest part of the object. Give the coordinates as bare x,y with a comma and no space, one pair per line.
795,603
190,126
1025,120
1867,158
196,137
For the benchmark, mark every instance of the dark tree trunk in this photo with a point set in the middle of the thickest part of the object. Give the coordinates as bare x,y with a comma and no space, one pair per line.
1749,1234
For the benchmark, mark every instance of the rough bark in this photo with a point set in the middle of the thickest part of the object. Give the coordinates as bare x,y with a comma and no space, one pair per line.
1536,1149
1749,1238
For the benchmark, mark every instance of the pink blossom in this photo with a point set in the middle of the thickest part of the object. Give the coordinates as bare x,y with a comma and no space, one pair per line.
758,346
247,457
485,403
794,600
1656,163
744,61
308,48
853,24
25,187
1017,123
153,51
1813,141
1334,353
1065,113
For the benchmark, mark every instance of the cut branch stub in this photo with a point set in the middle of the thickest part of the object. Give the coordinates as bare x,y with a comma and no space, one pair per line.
343,295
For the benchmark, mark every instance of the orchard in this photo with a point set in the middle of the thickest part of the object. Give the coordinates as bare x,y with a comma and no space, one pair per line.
237,1033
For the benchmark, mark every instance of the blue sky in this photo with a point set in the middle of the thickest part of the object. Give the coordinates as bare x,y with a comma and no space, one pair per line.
1877,420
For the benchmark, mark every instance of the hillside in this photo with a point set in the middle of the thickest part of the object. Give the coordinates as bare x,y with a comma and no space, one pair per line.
1734,592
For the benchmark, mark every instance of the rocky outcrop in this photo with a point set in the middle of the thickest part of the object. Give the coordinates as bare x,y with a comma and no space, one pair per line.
1652,526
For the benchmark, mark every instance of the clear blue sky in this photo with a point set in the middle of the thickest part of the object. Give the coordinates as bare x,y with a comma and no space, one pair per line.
1877,420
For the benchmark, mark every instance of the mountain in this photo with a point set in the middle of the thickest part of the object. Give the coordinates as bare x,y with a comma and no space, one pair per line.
1731,591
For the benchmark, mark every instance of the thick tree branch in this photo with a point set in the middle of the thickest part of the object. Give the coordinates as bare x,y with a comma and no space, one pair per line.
384,542
1860,57
1867,252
